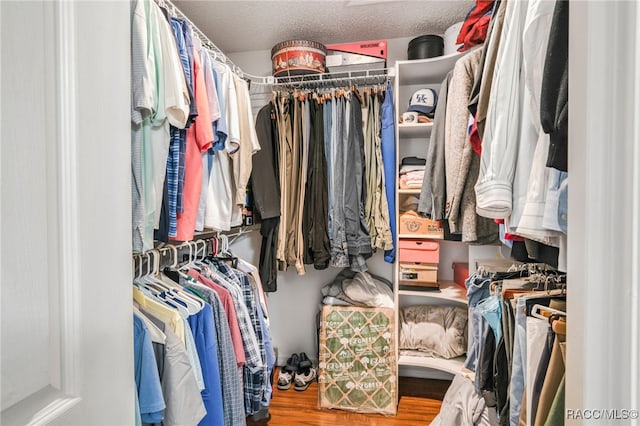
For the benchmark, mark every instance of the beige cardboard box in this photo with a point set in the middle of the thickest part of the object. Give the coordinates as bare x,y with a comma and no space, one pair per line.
419,274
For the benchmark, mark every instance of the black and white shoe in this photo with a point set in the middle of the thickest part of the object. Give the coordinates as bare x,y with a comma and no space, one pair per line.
285,378
305,374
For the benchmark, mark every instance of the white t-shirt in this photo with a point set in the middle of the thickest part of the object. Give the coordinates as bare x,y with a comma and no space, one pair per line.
220,195
175,100
249,145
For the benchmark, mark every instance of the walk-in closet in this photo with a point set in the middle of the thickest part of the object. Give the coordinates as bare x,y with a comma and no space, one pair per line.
320,212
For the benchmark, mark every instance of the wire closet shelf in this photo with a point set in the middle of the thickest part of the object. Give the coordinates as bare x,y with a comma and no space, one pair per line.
342,78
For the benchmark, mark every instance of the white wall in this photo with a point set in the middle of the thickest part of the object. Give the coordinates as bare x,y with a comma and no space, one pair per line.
294,306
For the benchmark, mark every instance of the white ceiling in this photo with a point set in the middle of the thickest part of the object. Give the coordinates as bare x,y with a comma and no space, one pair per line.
241,26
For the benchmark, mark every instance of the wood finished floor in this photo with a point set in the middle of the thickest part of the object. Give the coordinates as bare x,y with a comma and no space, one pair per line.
291,408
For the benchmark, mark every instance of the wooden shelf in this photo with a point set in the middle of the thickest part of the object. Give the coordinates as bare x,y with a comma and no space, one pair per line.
410,191
415,130
421,236
452,366
448,291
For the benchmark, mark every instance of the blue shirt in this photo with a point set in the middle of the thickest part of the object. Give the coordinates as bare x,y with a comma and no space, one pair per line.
178,27
178,31
150,399
220,131
204,335
388,146
270,353
172,177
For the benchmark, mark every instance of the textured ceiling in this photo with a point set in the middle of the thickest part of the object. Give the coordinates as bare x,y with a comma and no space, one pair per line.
241,26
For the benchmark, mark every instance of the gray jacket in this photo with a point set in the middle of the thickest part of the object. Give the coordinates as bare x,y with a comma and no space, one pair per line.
462,165
433,194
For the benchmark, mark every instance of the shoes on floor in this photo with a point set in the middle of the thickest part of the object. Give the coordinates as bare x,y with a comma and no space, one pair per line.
287,372
305,374
298,371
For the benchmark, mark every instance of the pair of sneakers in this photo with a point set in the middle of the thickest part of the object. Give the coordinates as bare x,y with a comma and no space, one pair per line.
299,370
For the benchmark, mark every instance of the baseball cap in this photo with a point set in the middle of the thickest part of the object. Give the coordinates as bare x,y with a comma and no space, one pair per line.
424,101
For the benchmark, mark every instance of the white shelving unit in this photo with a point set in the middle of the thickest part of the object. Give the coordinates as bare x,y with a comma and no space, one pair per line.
414,129
452,366
425,71
419,237
448,291
415,191
412,140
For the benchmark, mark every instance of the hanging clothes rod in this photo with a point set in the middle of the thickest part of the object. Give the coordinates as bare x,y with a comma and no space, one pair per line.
314,80
327,79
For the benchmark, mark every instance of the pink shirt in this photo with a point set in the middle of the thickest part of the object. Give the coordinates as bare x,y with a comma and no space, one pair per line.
199,139
232,318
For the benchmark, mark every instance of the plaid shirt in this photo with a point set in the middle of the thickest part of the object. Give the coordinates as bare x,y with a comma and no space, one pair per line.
249,339
255,382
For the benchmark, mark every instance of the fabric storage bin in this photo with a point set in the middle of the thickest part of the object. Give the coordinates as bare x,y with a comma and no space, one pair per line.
412,223
357,366
419,274
420,251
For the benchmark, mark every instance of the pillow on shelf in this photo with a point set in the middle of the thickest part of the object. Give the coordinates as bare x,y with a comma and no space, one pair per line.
435,330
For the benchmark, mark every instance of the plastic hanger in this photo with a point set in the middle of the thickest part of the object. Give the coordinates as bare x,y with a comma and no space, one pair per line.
152,276
545,312
171,290
224,252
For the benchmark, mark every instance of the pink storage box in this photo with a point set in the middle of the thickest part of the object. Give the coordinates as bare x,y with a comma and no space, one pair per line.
422,251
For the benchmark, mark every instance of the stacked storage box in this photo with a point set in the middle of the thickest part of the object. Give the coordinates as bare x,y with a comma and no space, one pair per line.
357,366
419,263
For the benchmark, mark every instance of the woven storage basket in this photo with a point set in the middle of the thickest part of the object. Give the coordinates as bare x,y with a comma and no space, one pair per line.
357,368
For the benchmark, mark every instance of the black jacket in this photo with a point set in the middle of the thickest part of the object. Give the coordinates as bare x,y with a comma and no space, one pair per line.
264,175
554,106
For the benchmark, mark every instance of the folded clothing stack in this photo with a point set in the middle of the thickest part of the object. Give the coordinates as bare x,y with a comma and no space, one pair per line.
412,172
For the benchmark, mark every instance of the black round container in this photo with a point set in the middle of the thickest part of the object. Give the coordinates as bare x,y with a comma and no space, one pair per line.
426,46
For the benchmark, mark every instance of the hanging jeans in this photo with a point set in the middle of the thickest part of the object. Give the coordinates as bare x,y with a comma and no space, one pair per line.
491,310
388,149
477,290
339,252
327,114
376,207
355,191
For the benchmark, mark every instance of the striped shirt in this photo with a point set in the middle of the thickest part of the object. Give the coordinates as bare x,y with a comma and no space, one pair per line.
178,31
173,163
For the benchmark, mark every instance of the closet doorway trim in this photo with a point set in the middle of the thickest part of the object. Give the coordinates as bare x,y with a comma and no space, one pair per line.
603,346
